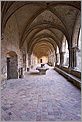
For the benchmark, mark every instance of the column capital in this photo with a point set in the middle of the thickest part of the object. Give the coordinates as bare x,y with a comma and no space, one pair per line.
62,52
73,48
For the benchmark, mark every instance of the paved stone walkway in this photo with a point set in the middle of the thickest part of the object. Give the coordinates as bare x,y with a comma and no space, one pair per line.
37,97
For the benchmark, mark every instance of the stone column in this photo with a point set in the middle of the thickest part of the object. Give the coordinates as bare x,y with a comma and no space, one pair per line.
72,57
74,50
29,60
24,61
62,58
56,59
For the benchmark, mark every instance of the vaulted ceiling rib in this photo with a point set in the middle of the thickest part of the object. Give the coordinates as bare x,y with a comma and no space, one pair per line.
57,18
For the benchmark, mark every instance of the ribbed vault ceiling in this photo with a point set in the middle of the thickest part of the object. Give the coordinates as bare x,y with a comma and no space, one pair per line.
38,21
42,49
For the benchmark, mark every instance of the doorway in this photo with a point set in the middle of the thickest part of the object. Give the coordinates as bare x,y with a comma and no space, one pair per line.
12,65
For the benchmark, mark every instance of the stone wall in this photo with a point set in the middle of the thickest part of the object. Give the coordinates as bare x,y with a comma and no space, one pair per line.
10,42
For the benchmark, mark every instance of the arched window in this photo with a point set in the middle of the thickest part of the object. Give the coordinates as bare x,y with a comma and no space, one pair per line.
64,44
79,52
79,40
66,51
66,58
57,49
58,56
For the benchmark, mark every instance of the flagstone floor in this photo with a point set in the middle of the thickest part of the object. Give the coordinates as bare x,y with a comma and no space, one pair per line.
37,97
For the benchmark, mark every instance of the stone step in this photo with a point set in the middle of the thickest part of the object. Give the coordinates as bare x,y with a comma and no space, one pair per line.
76,81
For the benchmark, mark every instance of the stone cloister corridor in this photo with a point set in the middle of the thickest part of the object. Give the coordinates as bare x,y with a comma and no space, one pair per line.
41,98
40,60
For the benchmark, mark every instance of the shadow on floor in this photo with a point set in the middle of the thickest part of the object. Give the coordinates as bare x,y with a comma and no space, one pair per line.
34,73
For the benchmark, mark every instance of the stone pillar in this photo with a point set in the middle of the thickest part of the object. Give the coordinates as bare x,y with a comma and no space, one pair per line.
74,50
72,57
29,60
56,59
62,58
24,61
21,72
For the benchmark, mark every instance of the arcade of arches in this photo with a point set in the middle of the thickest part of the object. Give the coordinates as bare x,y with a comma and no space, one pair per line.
33,33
